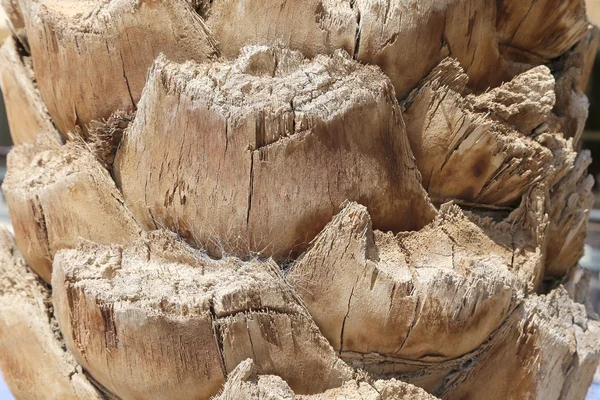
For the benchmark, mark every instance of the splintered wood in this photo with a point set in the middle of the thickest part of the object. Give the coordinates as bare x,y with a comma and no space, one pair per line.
244,383
297,199
263,157
494,40
91,57
171,311
442,309
496,149
57,194
431,295
34,362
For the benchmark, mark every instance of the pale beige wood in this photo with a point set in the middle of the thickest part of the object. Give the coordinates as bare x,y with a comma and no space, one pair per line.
267,149
480,149
573,72
492,149
91,57
257,153
26,112
427,296
245,384
34,362
157,319
593,11
570,202
547,349
444,309
494,40
14,18
57,194
311,26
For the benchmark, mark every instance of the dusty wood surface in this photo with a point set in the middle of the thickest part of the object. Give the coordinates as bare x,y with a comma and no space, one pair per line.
452,127
158,319
431,295
245,384
493,39
491,150
265,155
91,57
57,194
480,148
450,318
35,364
25,109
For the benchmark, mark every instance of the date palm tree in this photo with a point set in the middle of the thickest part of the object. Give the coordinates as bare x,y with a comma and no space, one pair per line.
311,199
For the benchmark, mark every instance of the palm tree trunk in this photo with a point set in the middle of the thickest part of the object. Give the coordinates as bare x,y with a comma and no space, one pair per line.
309,199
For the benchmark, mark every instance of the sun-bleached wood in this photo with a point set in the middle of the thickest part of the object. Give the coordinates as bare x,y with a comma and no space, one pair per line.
429,296
26,112
34,362
489,151
435,307
91,57
547,349
451,265
245,384
494,40
157,319
57,194
267,150
480,149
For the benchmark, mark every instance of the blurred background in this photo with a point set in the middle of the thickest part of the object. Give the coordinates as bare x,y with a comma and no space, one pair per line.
590,262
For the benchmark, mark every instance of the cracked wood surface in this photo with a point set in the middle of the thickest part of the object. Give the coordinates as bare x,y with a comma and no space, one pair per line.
91,57
431,295
491,150
481,149
157,319
452,316
34,361
25,109
254,154
244,383
494,40
263,157
57,194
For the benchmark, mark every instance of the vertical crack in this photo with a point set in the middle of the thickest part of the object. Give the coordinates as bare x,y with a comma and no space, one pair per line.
127,83
250,190
217,335
346,316
357,36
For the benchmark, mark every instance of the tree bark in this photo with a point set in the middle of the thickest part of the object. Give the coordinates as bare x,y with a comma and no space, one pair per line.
35,362
373,199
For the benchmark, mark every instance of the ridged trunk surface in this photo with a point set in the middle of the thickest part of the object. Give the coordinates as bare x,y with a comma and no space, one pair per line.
310,199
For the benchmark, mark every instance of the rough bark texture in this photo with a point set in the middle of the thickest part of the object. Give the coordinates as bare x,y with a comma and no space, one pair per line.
245,383
198,317
57,194
443,309
26,111
264,157
35,362
311,199
91,57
